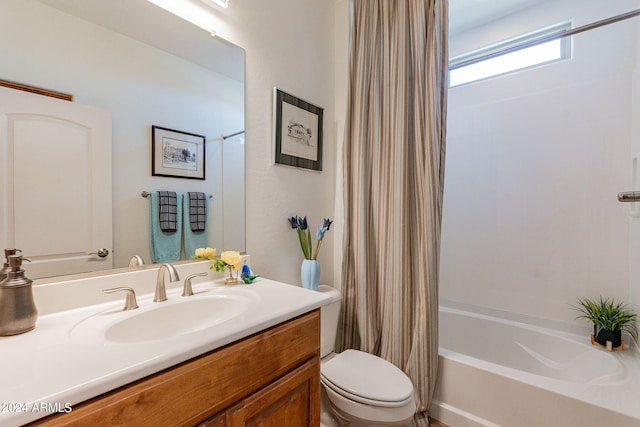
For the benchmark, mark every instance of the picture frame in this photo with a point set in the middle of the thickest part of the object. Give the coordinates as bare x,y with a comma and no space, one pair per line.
297,131
177,154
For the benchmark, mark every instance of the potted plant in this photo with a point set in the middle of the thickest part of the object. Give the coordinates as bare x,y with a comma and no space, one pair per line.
610,319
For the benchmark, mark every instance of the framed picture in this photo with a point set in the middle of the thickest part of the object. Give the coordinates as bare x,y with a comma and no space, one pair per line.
177,154
297,132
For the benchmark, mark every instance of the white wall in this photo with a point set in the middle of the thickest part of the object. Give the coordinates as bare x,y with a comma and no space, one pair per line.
142,86
341,73
634,237
534,163
289,44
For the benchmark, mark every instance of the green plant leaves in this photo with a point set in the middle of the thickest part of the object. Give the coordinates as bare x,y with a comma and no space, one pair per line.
607,314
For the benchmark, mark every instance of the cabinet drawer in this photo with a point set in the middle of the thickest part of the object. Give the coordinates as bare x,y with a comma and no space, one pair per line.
198,388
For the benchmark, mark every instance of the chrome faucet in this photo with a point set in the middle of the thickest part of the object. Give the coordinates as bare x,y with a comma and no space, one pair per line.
136,260
187,289
161,293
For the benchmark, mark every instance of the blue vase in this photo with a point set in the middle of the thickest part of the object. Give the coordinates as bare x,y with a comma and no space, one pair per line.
310,274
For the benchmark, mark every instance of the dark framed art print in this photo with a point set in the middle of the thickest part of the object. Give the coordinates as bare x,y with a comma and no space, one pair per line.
177,154
297,132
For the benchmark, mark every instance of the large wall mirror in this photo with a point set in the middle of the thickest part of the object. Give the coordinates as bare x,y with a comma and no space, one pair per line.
148,68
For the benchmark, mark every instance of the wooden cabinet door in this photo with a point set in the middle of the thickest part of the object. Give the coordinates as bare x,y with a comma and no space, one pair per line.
215,421
292,401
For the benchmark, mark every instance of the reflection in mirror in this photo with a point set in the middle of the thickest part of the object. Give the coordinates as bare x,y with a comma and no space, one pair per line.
146,67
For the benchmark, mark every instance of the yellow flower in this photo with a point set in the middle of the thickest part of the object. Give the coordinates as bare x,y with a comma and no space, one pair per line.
232,258
205,252
210,252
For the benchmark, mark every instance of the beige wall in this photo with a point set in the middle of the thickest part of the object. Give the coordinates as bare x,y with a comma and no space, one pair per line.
289,44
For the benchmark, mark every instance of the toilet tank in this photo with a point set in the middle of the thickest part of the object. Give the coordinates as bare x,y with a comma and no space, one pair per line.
329,315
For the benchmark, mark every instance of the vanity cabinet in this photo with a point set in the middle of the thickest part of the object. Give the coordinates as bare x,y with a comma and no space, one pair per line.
287,402
270,378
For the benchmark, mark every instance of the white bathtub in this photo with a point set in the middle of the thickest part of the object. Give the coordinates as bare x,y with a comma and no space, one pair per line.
501,371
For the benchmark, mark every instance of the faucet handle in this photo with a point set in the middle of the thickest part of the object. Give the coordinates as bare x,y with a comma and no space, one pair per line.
187,290
130,302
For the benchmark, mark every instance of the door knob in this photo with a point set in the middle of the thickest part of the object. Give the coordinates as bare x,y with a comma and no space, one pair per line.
102,252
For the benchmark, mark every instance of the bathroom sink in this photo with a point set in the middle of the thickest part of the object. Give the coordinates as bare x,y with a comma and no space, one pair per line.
175,317
171,320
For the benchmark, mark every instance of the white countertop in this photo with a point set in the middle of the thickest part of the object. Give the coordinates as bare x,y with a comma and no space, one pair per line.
60,363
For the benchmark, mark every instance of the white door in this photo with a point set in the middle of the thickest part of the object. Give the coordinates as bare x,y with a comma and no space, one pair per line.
55,183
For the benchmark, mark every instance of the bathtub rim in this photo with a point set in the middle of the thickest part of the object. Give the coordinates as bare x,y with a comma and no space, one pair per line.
578,327
628,392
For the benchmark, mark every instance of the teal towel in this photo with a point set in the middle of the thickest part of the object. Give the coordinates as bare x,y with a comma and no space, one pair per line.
194,239
165,246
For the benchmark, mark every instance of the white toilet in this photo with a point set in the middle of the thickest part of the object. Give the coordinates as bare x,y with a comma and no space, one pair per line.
359,389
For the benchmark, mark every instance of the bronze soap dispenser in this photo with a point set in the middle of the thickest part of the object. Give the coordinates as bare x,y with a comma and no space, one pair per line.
5,269
18,311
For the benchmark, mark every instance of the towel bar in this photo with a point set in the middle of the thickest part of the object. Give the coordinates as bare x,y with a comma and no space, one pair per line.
146,194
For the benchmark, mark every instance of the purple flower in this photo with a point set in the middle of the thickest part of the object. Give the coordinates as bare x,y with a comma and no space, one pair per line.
304,235
302,223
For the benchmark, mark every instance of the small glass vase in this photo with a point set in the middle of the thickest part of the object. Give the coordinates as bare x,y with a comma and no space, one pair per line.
232,276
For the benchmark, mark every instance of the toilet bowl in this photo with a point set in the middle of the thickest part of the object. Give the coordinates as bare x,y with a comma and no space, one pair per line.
360,388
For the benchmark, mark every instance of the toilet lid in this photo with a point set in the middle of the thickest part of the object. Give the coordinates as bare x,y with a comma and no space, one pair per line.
367,376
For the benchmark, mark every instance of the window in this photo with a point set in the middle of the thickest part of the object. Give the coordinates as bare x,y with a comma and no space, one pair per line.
511,55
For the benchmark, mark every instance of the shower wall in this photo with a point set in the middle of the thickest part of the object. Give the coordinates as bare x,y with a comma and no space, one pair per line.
634,242
535,160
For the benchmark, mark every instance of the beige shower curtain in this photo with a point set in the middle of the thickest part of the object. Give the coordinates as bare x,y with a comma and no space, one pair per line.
393,175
